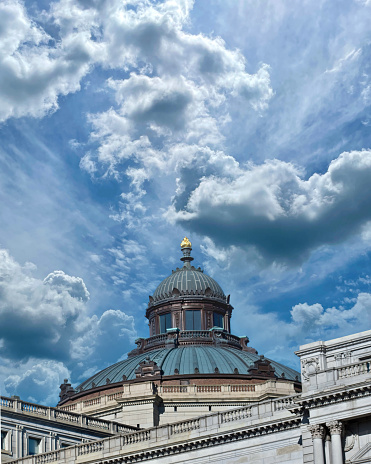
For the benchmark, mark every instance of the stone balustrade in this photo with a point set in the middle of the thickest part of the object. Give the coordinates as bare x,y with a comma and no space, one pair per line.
205,393
262,415
354,369
63,415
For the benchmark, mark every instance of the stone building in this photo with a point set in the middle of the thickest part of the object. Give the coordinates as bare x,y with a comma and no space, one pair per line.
190,365
193,392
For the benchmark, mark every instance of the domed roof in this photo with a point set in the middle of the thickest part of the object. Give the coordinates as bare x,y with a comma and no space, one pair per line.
187,281
183,360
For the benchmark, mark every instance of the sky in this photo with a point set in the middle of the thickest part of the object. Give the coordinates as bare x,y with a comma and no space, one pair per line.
244,125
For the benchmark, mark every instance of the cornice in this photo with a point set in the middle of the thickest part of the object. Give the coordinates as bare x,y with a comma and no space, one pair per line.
334,396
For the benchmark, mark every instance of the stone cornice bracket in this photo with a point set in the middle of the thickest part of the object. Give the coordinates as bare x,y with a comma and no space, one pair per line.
317,431
335,427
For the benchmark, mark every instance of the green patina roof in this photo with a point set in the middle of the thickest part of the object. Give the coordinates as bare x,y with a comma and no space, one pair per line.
186,359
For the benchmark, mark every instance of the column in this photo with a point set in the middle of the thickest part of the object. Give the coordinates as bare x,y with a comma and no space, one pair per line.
19,441
336,428
318,434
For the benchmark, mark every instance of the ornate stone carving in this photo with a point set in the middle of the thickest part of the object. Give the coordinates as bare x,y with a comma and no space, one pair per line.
66,390
147,368
262,367
317,431
309,366
335,427
350,439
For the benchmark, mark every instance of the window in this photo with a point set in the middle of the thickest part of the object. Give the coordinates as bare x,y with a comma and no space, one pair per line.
218,320
3,440
34,446
193,320
165,322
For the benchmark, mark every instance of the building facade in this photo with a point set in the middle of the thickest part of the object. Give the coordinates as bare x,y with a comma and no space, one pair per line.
194,392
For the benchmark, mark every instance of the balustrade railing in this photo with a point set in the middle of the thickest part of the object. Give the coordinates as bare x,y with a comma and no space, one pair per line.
353,369
242,388
67,416
135,437
196,389
143,436
235,414
209,388
6,402
92,402
69,407
185,426
48,457
114,396
56,414
88,448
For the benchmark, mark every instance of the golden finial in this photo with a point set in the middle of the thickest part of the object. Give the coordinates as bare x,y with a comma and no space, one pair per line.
186,243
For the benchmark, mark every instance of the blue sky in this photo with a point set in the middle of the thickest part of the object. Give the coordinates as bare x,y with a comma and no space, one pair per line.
126,125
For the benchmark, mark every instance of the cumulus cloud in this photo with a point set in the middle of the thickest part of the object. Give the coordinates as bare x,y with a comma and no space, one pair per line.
35,68
38,384
307,323
46,331
272,208
35,318
62,282
97,331
314,321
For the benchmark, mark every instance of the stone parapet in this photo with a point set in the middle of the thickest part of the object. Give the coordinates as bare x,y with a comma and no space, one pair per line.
15,406
339,362
262,419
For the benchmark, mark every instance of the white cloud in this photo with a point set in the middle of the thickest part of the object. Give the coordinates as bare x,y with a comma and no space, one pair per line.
95,333
61,282
39,383
34,68
37,67
308,323
271,207
45,328
315,322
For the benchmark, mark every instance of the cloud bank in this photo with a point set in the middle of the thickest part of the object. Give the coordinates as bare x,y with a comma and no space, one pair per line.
272,208
45,327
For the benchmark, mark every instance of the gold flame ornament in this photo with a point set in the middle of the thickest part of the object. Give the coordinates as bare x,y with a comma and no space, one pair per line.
186,243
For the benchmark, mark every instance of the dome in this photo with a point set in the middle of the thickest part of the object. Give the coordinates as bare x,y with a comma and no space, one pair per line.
188,281
184,361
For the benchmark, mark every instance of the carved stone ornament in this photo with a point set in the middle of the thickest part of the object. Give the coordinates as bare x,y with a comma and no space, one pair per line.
147,368
309,366
350,439
317,431
335,427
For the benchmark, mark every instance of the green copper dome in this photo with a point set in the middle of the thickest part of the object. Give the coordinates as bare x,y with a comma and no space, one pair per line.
186,360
